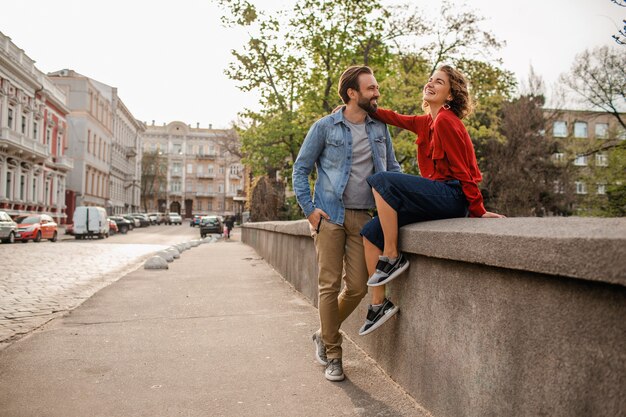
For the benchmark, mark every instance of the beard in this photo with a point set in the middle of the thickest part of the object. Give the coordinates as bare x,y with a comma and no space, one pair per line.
367,105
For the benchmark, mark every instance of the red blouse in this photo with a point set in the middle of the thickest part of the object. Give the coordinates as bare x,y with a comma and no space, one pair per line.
444,151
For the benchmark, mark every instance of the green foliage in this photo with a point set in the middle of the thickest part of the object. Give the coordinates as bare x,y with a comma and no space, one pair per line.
153,176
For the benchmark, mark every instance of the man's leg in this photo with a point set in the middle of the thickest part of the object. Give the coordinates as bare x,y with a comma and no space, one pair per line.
356,275
330,247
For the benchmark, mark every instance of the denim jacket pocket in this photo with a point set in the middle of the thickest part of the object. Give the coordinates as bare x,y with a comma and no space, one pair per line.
381,147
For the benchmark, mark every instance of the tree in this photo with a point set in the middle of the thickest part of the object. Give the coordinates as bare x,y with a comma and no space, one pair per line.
519,173
153,177
598,77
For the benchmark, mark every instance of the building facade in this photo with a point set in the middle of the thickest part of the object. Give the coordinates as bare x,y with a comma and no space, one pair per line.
105,145
34,165
203,175
588,144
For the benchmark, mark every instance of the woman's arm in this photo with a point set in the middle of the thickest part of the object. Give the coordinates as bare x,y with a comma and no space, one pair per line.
459,152
411,123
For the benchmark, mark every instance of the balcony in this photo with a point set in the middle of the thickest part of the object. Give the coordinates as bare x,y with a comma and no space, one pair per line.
206,194
211,155
203,175
64,163
22,144
176,174
175,193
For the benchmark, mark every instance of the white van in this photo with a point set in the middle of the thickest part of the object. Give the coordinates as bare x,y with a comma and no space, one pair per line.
90,221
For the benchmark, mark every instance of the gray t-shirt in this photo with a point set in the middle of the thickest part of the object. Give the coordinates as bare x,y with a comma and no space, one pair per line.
358,194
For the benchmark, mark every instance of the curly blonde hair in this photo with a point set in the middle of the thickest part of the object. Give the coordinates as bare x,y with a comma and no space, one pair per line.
461,103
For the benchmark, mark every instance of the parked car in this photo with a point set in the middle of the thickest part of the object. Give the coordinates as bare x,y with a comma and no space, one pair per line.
134,222
210,224
174,218
8,228
37,227
195,220
144,220
90,221
123,225
112,227
154,218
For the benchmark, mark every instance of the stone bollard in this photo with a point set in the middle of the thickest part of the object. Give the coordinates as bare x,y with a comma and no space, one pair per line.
156,262
166,255
175,253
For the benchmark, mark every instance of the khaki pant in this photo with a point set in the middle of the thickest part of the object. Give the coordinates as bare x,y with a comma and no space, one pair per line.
340,255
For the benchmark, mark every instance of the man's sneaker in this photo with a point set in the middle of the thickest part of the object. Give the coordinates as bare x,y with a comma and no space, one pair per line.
320,349
334,370
376,318
386,271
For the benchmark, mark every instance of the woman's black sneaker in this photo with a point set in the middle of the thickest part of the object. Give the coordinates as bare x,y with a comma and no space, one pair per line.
387,270
377,317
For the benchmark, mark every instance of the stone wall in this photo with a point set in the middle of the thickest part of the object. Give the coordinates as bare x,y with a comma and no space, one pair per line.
499,317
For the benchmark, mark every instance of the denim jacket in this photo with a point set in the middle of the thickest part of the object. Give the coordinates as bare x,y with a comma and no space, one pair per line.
328,145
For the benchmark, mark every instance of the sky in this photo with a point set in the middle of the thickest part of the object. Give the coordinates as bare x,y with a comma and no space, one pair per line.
167,59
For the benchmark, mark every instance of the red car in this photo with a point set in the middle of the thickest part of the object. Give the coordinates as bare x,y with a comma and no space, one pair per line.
37,227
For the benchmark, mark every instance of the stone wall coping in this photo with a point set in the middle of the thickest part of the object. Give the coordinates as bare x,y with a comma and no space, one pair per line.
578,247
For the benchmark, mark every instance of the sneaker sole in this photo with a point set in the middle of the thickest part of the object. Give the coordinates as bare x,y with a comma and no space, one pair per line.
335,378
317,356
393,276
382,321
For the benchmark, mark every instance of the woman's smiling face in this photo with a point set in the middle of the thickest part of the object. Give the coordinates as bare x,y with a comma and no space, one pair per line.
437,89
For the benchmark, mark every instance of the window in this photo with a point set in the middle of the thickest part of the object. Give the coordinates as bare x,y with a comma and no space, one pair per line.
209,206
199,204
189,187
234,169
581,187
9,190
581,161
24,125
209,188
48,141
177,168
34,196
602,159
559,129
602,130
10,118
580,130
35,130
59,144
177,149
189,168
176,186
601,189
209,169
199,168
220,189
221,170
558,157
22,186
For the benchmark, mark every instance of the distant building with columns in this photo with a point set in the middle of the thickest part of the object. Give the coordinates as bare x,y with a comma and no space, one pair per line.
33,137
204,175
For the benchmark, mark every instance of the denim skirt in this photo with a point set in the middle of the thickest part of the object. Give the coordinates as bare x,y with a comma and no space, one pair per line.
415,199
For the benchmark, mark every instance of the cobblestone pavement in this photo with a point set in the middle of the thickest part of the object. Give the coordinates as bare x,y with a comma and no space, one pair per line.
39,281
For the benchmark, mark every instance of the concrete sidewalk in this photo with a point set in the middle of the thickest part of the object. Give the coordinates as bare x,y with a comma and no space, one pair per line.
218,334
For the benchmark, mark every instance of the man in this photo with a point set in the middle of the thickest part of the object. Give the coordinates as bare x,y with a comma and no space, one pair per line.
346,147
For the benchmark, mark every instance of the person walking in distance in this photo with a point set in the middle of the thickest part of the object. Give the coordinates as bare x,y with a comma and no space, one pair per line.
346,147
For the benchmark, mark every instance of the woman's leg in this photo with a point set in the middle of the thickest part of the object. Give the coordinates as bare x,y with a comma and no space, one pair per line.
389,223
371,259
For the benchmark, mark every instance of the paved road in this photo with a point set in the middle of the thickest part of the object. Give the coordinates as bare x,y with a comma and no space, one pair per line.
40,280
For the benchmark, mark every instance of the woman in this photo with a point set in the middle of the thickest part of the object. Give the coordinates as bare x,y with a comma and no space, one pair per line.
448,186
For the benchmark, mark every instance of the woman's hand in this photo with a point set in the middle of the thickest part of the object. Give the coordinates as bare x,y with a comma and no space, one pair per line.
490,215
